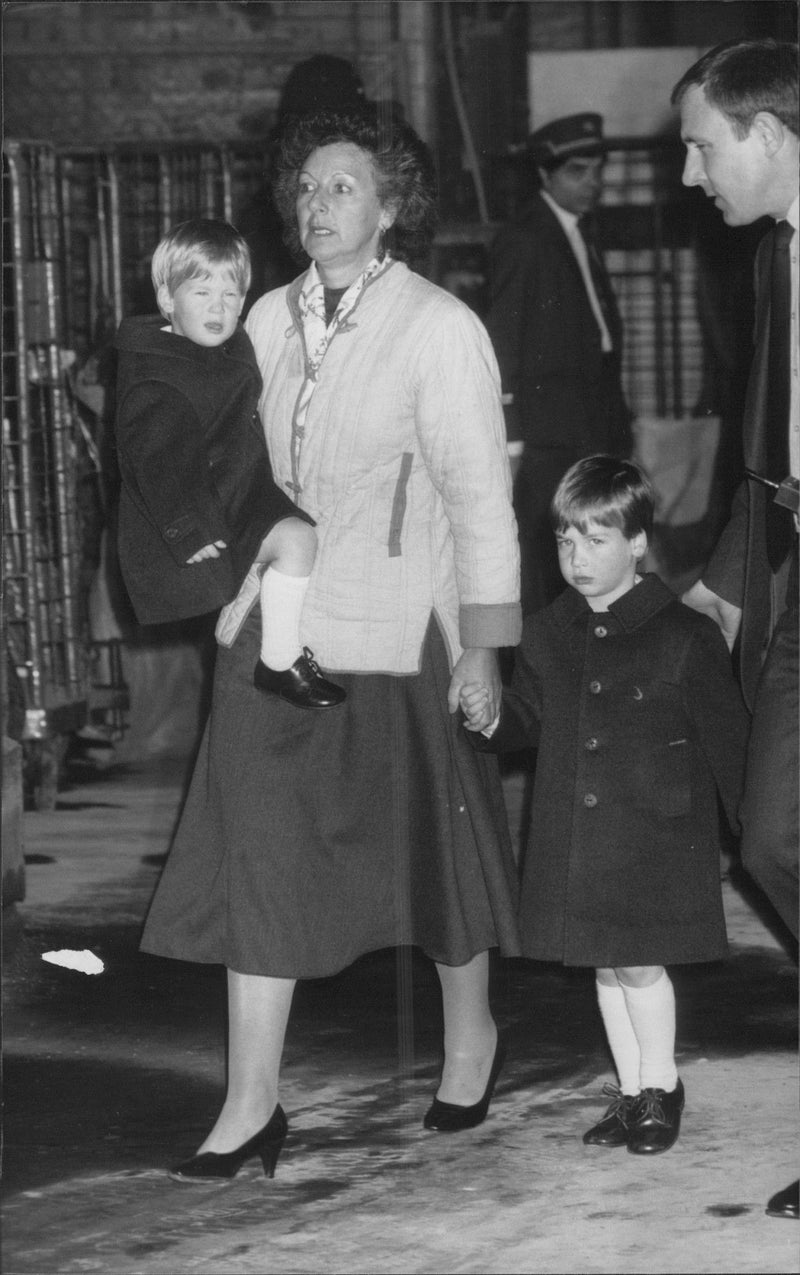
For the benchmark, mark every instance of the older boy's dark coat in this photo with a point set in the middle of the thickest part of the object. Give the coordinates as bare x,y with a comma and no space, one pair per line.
194,469
641,721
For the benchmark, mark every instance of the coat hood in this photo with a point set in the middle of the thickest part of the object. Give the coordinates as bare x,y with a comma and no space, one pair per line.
149,334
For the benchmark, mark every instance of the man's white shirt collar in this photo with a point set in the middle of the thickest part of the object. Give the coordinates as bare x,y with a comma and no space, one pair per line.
568,220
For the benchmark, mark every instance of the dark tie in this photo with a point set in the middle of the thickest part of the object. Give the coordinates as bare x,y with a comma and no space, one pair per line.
601,281
779,522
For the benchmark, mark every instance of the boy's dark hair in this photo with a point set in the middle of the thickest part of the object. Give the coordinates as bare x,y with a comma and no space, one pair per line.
603,489
187,250
404,172
742,77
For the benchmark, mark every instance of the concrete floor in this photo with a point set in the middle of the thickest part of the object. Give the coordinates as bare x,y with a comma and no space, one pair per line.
110,1078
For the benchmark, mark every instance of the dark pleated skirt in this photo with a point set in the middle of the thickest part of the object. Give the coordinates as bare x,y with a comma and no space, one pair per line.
309,838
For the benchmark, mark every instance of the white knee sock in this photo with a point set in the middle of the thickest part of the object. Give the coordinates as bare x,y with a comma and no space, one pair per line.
282,599
621,1036
652,1013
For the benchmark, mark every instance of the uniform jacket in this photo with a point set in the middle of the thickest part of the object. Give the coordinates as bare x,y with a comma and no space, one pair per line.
194,468
402,465
639,723
739,570
548,344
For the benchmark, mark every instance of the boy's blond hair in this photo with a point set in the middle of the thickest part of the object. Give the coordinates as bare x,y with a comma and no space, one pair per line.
187,251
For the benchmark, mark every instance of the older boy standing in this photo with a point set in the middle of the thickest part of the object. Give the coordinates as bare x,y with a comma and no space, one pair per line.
639,723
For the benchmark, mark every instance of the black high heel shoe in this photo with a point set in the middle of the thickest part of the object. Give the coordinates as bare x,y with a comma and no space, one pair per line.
449,1117
266,1144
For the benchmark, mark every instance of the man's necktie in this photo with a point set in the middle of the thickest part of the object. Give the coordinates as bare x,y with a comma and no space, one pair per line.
779,523
600,280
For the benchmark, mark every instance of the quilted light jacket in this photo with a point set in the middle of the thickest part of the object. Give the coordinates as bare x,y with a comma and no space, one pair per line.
402,464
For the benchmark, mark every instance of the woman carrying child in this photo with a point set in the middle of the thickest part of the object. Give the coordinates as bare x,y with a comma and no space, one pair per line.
309,840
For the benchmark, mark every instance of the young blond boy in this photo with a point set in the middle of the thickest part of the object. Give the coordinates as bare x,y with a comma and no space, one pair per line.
198,504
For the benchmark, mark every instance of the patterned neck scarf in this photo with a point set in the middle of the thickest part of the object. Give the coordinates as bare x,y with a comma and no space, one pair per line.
317,336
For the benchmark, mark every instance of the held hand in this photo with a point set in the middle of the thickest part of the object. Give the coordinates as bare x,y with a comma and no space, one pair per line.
208,551
477,666
725,614
473,701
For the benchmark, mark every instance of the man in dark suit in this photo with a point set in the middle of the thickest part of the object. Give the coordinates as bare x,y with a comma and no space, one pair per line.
557,334
739,122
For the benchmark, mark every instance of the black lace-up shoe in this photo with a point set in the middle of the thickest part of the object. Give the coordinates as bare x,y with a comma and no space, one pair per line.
785,1203
302,685
656,1120
614,1128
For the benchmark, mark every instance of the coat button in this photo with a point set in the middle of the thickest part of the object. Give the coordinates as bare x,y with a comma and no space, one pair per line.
601,631
595,688
170,534
590,800
591,744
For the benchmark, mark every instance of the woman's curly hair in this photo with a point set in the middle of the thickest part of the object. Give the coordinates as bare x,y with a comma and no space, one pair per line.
404,172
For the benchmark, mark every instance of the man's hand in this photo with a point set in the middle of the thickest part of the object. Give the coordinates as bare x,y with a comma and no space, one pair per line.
477,668
725,614
207,551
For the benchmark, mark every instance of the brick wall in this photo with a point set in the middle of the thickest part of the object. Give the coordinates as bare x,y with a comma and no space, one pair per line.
105,71
90,74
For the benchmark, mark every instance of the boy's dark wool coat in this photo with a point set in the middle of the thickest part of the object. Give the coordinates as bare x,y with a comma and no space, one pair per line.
639,723
194,468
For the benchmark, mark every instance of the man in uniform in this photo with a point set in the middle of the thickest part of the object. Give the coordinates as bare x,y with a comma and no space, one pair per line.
557,335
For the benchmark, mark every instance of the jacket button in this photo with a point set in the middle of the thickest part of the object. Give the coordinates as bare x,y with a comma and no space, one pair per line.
595,688
170,534
591,744
601,631
590,800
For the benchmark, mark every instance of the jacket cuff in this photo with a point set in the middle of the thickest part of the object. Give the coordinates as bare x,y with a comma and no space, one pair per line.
179,529
513,420
724,572
493,625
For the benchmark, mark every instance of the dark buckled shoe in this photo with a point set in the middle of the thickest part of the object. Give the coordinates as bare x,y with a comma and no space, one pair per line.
785,1203
302,685
614,1129
656,1120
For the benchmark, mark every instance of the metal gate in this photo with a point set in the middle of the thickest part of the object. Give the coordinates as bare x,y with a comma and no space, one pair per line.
79,229
46,666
